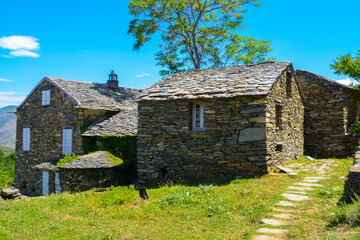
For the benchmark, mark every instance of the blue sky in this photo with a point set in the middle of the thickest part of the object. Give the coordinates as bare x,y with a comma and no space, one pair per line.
85,40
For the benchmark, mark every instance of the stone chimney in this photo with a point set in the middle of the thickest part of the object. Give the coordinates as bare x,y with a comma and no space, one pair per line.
113,83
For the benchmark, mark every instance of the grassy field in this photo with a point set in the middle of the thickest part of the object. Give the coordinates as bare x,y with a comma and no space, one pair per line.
7,148
229,211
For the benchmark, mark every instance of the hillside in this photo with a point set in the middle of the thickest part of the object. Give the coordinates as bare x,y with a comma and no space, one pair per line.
233,210
7,126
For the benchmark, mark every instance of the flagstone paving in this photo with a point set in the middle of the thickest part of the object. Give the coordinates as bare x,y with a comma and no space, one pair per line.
294,196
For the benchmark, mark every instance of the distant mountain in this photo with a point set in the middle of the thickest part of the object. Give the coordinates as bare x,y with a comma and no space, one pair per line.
7,126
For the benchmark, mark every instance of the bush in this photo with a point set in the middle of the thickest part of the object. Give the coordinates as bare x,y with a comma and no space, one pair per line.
355,128
346,214
68,159
7,165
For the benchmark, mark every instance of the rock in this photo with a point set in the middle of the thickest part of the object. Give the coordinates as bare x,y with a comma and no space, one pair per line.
9,191
309,184
294,197
285,204
272,222
283,169
271,230
310,158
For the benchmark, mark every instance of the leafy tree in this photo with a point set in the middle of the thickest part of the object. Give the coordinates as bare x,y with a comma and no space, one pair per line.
196,33
347,65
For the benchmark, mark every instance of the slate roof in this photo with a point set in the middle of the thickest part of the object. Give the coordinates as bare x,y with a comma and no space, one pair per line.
48,166
255,79
94,95
91,161
119,124
301,72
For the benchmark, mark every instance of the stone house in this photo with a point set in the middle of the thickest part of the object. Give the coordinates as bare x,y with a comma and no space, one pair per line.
49,122
217,124
330,109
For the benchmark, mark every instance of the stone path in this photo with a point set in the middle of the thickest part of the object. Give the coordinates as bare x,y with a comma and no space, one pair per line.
277,225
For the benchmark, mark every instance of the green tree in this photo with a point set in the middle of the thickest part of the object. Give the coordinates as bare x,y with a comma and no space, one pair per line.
348,65
196,33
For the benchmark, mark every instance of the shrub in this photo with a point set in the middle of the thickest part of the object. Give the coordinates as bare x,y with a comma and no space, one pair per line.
346,214
68,159
7,165
355,128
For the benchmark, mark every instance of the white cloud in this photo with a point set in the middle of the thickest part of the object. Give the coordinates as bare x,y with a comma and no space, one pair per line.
11,98
21,46
347,81
143,75
24,53
5,80
19,42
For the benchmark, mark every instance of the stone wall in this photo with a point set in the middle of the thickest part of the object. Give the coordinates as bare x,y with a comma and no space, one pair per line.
285,143
76,180
354,179
46,123
330,109
167,145
239,138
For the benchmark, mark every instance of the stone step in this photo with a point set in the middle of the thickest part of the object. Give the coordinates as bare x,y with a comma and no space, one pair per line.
266,237
308,184
273,222
272,230
9,192
295,197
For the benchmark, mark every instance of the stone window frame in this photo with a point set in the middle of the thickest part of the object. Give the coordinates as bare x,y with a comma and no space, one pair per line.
45,96
67,141
198,116
26,137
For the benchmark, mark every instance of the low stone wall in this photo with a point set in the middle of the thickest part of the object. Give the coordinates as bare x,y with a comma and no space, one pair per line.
354,179
76,180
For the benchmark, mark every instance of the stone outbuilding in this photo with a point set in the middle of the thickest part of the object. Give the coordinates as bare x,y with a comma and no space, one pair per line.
51,116
217,124
94,170
330,110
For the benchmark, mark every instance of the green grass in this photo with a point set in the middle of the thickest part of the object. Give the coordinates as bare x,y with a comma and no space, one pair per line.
229,211
7,165
7,148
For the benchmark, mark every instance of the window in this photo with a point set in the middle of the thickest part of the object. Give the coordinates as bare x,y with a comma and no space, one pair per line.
45,97
45,183
26,139
67,141
288,84
198,117
57,183
278,117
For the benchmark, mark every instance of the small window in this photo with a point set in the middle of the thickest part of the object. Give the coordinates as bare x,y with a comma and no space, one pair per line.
278,117
67,141
288,84
45,97
26,139
198,117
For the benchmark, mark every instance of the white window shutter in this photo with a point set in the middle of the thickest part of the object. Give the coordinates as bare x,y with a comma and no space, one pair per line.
45,183
57,183
26,139
67,141
45,97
